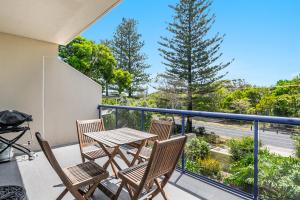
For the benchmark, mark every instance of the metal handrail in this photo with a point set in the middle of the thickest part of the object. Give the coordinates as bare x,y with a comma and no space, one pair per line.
241,117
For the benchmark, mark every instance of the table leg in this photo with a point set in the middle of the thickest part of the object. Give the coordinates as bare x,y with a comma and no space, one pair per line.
136,156
124,158
110,156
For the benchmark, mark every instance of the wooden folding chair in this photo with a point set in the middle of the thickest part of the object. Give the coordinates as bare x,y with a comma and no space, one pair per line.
76,178
158,170
88,147
162,129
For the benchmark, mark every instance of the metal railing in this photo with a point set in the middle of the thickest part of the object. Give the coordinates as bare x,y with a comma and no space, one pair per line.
256,119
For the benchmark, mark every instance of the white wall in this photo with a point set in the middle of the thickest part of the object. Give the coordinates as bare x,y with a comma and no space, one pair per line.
69,95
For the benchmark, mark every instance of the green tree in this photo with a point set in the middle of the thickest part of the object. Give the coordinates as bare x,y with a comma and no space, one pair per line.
94,60
169,87
287,86
123,80
283,105
79,54
266,104
241,105
189,53
105,65
127,46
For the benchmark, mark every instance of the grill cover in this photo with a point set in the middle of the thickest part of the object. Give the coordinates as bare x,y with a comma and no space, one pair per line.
13,118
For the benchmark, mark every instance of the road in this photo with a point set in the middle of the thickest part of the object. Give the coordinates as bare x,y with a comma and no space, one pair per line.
267,138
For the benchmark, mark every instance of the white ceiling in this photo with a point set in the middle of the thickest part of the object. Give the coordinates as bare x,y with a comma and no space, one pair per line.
56,21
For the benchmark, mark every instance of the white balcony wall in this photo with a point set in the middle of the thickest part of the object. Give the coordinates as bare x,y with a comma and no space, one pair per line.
69,95
34,81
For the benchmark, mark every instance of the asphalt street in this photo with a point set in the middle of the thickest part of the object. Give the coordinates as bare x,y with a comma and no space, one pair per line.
268,138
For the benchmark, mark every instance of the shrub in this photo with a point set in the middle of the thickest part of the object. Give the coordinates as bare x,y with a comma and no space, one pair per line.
110,100
239,148
210,167
211,138
197,149
279,177
242,172
297,145
128,118
192,166
200,131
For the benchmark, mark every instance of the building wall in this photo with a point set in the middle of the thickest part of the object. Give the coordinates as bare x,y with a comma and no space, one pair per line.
69,95
33,80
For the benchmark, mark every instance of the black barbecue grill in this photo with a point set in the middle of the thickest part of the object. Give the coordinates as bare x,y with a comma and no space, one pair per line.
11,121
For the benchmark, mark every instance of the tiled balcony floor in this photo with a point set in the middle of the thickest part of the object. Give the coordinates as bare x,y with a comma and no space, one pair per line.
41,182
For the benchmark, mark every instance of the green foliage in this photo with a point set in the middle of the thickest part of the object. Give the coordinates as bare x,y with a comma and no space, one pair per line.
210,167
79,53
287,87
192,166
279,177
242,172
97,62
211,101
211,138
281,100
123,80
127,46
105,65
282,105
170,89
130,118
190,53
297,145
239,148
266,105
200,131
243,100
110,101
196,149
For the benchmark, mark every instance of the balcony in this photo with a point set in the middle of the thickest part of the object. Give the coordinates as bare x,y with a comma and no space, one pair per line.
41,182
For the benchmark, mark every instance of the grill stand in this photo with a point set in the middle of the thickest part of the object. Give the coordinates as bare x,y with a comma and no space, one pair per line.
13,142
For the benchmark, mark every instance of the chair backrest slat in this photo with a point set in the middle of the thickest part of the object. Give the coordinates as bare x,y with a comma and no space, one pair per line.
87,126
52,160
161,128
164,157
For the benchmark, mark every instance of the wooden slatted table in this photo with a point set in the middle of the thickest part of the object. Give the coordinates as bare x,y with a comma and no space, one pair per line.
118,137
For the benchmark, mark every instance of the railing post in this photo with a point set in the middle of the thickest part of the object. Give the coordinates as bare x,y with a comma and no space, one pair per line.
183,154
256,149
116,116
142,120
100,112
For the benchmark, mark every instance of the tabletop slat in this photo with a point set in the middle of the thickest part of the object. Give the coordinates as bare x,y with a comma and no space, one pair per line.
121,136
100,138
140,134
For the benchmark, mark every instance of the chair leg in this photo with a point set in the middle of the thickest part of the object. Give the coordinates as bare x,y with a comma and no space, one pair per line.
77,194
83,159
90,191
119,191
114,170
159,189
130,192
62,194
140,160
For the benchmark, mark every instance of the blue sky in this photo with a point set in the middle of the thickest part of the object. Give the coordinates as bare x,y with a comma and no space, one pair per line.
263,36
